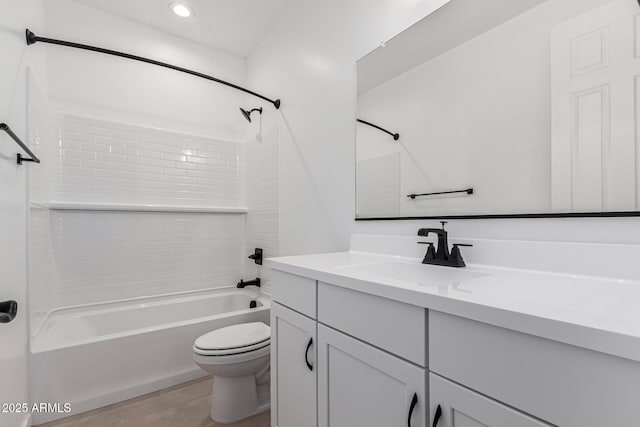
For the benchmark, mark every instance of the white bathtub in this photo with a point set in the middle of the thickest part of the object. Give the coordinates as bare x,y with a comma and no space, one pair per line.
93,356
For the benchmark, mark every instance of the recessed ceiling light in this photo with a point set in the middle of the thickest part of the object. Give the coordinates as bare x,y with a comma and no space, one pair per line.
181,9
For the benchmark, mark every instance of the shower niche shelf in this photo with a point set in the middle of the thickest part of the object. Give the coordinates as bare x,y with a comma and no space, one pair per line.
130,207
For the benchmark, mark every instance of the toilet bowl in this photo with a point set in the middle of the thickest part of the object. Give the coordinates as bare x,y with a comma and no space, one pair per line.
238,358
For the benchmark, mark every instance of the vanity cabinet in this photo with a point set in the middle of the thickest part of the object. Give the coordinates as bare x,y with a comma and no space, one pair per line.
293,369
361,386
376,379
456,406
348,356
559,383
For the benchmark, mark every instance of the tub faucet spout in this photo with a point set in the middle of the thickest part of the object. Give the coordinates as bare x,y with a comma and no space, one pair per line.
242,284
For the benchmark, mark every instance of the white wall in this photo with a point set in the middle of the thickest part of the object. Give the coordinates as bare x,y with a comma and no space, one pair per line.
121,90
309,61
13,197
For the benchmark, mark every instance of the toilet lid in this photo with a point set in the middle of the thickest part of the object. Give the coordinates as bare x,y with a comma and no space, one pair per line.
244,335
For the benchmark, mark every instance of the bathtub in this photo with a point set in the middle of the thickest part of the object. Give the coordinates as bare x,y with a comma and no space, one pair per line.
96,355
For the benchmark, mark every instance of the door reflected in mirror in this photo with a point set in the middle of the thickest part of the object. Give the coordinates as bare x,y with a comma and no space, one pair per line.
531,104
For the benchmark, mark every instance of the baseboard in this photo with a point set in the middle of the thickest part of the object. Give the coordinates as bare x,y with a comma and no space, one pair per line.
96,402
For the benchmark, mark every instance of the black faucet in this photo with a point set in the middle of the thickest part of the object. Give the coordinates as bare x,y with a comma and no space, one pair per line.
442,255
242,284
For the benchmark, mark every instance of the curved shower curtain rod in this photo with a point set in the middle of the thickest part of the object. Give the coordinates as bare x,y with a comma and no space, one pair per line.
395,136
33,38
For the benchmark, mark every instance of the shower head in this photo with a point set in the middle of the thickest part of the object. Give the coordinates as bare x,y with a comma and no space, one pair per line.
247,113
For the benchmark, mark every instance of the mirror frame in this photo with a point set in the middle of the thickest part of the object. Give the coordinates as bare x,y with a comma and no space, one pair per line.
623,214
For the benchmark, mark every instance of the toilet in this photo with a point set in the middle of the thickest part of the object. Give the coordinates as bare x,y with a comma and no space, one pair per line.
238,358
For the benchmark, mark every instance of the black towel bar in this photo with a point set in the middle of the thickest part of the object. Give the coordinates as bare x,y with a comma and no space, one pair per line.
5,127
468,191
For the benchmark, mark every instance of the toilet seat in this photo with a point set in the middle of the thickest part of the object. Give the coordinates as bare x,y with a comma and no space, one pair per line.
233,351
230,359
239,339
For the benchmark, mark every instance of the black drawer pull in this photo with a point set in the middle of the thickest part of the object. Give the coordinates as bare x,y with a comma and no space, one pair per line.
306,355
414,402
437,416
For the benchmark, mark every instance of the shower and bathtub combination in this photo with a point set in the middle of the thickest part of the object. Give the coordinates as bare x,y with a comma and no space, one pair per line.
138,236
95,355
120,292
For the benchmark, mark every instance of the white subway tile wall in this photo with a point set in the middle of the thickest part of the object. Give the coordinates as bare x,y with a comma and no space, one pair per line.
104,256
40,120
80,257
41,264
378,186
108,162
261,182
41,133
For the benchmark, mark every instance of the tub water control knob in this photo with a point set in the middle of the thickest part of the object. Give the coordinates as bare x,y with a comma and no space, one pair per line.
8,311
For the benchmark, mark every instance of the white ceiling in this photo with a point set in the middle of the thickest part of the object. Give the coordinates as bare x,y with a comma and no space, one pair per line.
233,26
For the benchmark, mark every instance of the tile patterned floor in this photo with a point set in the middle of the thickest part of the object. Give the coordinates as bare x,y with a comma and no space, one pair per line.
185,405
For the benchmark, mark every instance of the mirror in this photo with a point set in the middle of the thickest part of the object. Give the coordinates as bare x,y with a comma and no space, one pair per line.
503,108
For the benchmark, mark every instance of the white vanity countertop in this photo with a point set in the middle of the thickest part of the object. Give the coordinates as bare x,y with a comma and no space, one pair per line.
601,314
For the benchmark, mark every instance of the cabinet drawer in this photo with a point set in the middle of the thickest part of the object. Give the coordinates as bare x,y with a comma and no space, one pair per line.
295,292
396,327
559,383
460,407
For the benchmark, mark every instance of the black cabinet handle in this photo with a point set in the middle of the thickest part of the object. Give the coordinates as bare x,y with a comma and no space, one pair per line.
306,355
437,416
8,311
414,402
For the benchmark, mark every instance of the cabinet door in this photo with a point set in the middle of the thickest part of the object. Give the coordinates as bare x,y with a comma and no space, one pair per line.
293,370
455,406
362,386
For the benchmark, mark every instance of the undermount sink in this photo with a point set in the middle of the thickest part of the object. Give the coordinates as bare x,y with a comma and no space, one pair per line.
415,273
